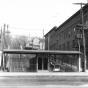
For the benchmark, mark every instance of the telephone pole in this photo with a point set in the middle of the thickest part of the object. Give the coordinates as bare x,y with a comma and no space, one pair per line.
43,40
3,46
43,33
48,41
3,37
83,35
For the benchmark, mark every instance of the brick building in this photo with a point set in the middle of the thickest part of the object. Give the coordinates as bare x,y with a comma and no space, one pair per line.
64,36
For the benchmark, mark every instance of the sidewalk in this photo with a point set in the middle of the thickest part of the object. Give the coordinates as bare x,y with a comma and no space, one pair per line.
73,74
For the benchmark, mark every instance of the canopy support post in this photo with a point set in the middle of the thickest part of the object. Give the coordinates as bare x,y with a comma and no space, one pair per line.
79,64
37,63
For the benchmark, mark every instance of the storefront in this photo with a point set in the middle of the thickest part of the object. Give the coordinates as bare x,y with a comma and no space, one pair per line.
38,60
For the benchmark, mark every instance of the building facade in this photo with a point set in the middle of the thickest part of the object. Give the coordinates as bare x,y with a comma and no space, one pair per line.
64,37
36,43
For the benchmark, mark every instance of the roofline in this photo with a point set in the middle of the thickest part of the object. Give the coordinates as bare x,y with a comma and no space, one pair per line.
68,19
76,13
18,51
54,28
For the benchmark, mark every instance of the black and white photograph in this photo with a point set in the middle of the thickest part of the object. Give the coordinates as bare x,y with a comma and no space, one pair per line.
43,43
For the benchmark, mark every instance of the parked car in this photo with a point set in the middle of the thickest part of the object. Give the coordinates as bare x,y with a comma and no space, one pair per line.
57,68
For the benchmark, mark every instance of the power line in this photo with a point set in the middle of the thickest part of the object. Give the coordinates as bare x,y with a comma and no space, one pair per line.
69,2
26,29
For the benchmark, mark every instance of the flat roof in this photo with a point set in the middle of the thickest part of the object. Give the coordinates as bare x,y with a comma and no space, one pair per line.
18,51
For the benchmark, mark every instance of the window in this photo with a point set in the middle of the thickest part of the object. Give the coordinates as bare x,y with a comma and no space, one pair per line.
73,43
85,11
60,47
60,36
86,23
68,45
69,33
50,47
54,46
63,46
57,44
64,35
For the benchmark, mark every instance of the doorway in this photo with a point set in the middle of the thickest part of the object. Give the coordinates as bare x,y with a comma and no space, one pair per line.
45,63
42,63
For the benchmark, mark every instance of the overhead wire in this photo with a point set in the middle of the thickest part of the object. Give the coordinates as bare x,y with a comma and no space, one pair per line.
27,28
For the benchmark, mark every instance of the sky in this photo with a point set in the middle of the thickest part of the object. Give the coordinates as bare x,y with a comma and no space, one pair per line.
31,17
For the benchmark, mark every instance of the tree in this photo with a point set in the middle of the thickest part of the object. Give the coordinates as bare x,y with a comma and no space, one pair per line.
19,42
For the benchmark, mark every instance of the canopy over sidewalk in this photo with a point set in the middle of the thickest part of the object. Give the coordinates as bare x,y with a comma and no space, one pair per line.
18,51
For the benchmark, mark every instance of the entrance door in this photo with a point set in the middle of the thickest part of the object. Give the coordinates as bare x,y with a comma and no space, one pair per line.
45,63
40,63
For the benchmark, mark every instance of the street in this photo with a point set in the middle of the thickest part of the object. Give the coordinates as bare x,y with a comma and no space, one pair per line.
43,81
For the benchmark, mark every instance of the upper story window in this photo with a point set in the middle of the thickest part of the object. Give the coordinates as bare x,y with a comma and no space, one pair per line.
64,35
60,36
57,42
85,11
60,47
54,46
63,46
86,22
69,33
68,45
73,43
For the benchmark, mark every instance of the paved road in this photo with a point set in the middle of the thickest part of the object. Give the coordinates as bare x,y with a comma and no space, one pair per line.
43,82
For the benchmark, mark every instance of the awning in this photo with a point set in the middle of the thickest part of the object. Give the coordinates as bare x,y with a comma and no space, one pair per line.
19,51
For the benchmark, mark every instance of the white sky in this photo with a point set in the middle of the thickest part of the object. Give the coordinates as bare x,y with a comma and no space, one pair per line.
32,16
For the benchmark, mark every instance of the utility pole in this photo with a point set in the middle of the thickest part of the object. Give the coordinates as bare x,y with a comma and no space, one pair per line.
48,40
42,41
1,61
8,32
83,36
3,46
3,39
43,33
8,42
